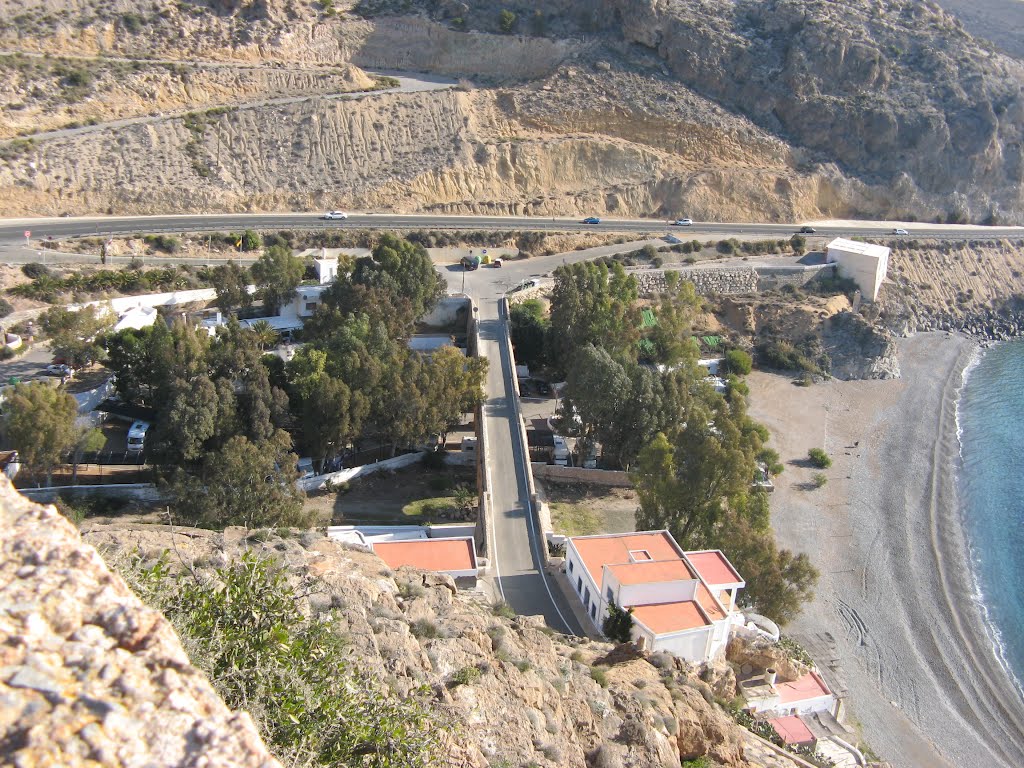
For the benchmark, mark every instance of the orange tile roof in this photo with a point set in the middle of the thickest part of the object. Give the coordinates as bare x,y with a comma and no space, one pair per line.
707,602
670,617
599,551
809,686
792,730
713,567
652,571
428,554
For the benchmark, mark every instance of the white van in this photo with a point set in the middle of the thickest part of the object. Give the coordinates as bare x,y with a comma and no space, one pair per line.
137,436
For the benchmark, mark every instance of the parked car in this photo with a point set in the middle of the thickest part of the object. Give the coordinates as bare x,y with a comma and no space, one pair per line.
591,220
807,230
899,231
59,369
496,263
683,223
335,215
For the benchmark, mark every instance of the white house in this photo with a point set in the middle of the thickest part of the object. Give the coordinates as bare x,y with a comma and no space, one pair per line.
864,263
683,602
806,695
326,270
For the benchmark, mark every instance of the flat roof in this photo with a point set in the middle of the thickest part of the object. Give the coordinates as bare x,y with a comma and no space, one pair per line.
666,618
714,568
708,603
446,555
854,246
613,549
791,729
809,686
651,572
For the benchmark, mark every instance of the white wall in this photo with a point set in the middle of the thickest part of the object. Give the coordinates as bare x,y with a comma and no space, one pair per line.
579,575
691,646
867,271
662,592
124,303
317,482
447,311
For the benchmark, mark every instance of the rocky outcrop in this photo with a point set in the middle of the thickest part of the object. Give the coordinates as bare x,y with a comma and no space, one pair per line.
858,349
88,674
533,696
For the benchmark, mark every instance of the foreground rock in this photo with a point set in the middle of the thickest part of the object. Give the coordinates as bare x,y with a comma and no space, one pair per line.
88,674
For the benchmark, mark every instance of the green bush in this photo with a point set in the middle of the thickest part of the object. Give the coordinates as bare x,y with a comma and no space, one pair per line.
737,361
506,21
465,676
424,629
599,676
34,270
246,631
820,480
5,308
434,459
819,458
503,609
251,240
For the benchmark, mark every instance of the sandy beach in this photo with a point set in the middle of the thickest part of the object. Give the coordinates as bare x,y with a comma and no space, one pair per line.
896,592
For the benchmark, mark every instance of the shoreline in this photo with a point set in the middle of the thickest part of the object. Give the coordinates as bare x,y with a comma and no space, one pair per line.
995,633
898,589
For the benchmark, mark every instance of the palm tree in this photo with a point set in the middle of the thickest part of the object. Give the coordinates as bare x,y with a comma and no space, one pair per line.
264,332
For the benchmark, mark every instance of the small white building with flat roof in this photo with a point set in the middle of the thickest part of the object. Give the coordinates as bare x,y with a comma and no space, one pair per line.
864,263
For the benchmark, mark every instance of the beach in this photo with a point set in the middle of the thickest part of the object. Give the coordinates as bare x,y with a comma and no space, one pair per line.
896,592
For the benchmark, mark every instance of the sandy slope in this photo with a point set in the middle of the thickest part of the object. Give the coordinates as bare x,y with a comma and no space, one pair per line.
896,592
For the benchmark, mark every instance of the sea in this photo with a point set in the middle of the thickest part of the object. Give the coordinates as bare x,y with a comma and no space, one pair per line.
990,482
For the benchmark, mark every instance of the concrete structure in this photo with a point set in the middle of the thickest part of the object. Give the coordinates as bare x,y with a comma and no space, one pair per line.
456,557
137,318
326,270
864,263
792,730
428,343
683,602
806,695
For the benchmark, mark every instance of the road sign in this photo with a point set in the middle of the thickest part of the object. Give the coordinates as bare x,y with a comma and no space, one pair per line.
28,233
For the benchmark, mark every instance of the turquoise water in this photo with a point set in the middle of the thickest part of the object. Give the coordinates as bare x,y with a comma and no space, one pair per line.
991,484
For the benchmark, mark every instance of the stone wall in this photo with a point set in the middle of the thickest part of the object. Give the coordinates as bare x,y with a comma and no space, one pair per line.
773,278
724,281
581,475
91,676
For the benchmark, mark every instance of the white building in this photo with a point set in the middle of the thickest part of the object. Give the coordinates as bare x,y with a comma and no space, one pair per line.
864,263
326,270
683,602
806,695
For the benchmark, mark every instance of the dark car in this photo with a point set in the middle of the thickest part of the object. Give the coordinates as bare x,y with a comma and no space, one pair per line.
544,388
591,220
807,230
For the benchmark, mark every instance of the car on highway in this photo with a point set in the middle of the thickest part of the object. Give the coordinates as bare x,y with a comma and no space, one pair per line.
807,230
59,369
682,223
591,220
899,231
335,215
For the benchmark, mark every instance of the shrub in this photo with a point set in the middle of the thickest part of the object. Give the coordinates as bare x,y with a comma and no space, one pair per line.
5,307
507,21
6,353
245,630
251,240
737,361
618,624
819,458
599,676
820,479
424,629
433,459
465,676
35,270
503,609
726,247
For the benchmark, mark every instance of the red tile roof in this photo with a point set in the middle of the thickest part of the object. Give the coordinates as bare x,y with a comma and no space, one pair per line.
651,572
714,568
809,686
792,730
599,551
707,602
670,617
444,555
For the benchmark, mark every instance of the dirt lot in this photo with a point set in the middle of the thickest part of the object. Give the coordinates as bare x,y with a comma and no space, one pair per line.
407,497
578,509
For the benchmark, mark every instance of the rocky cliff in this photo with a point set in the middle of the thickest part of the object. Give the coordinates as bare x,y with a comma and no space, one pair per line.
89,675
715,110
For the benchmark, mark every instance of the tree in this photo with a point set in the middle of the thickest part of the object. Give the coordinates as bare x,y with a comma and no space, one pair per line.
89,441
74,335
737,361
277,274
451,385
264,334
507,21
251,240
130,357
189,420
592,304
231,283
618,624
246,483
39,423
671,342
529,329
403,270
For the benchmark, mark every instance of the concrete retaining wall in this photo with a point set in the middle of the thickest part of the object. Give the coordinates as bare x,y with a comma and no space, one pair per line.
135,491
607,477
317,482
773,278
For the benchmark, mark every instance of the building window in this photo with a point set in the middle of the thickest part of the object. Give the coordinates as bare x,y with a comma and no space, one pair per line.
611,595
570,566
311,305
579,584
586,595
593,612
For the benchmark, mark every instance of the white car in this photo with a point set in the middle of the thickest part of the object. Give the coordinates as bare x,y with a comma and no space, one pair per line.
683,223
898,231
335,215
59,369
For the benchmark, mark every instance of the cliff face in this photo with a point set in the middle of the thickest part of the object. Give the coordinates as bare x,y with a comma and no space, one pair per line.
750,110
89,675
